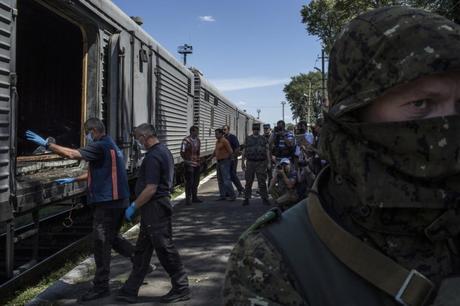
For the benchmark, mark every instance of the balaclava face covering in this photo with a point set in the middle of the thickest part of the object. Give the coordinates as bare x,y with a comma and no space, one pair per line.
393,164
400,180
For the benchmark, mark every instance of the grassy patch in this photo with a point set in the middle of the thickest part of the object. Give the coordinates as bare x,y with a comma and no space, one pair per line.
23,296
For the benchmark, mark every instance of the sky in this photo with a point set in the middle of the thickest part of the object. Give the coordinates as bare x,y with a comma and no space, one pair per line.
248,49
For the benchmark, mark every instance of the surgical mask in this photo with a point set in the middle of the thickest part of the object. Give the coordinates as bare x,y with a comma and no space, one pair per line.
89,137
139,144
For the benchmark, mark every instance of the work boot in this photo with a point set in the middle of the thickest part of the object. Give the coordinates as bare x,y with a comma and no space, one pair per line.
197,200
94,294
245,202
125,297
176,295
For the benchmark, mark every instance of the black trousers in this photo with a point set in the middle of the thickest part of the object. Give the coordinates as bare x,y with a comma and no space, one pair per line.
156,234
106,232
192,179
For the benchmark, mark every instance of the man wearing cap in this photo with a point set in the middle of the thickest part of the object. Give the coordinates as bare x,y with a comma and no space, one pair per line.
282,142
257,155
381,224
283,184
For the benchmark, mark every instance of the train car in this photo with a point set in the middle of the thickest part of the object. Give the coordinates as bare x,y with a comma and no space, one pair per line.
62,62
212,110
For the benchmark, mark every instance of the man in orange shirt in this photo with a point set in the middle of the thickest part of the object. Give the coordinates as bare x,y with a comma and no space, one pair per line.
223,153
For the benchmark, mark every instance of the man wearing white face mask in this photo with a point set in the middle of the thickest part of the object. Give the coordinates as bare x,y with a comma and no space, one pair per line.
108,194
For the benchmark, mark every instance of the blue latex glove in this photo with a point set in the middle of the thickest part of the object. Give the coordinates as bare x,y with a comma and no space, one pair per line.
65,180
130,211
31,136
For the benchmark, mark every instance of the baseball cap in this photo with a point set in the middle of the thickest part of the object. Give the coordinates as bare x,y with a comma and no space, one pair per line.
285,161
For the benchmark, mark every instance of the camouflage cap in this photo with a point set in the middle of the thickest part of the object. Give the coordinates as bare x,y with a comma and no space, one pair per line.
386,47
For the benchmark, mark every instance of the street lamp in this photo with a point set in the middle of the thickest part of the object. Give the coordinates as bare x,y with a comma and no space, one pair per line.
258,113
184,50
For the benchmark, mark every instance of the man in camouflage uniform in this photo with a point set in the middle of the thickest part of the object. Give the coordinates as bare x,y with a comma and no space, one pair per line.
391,138
267,135
257,155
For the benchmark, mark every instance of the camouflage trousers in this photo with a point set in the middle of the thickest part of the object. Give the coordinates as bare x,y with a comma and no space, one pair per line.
259,169
284,198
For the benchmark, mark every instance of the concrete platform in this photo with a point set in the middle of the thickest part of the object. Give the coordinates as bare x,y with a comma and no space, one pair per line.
204,235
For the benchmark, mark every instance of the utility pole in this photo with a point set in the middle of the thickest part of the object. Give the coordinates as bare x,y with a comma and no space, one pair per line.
282,103
184,50
323,81
258,113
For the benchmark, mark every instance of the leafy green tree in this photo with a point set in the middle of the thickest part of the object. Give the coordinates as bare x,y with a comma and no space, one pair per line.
326,18
300,91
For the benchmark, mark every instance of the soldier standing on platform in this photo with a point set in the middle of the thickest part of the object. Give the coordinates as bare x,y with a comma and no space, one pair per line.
267,135
258,157
190,152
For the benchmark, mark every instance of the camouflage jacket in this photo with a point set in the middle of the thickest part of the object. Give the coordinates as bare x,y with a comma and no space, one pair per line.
256,275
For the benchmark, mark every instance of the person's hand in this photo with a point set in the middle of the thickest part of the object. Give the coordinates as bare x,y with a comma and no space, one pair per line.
65,180
130,211
31,136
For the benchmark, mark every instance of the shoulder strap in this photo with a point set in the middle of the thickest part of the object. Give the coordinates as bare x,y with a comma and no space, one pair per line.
407,287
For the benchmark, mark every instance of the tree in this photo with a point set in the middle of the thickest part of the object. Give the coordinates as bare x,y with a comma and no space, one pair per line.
302,89
326,18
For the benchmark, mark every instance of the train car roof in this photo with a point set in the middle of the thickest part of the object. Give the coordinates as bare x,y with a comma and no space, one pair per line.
211,88
108,9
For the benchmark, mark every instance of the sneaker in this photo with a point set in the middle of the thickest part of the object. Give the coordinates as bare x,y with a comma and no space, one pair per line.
197,200
246,202
94,294
125,297
176,295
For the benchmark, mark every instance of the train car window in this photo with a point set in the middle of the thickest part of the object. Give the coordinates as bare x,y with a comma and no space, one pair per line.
216,101
49,67
206,96
143,58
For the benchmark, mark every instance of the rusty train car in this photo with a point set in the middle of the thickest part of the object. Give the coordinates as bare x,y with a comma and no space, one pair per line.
63,61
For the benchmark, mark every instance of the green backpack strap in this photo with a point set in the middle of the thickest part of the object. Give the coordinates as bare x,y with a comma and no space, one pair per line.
267,218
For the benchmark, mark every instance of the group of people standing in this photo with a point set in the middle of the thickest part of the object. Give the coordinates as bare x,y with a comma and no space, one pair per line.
290,161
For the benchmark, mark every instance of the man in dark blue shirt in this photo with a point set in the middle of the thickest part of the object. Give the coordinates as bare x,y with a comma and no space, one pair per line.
107,193
235,144
153,189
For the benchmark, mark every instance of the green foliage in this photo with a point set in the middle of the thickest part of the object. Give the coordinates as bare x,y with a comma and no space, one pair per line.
298,92
326,18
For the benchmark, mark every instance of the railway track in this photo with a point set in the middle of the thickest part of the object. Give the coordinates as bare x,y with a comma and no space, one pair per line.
59,236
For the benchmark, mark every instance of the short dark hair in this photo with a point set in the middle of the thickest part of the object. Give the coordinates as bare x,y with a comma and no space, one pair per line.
94,123
220,131
146,129
281,122
193,128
